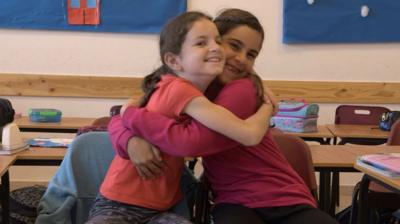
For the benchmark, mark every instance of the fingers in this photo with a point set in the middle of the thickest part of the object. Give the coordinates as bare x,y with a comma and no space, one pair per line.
150,170
144,172
156,153
271,100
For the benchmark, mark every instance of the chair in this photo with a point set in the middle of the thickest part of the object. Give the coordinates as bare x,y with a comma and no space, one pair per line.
373,195
356,114
71,192
298,154
75,185
364,115
114,110
394,135
101,121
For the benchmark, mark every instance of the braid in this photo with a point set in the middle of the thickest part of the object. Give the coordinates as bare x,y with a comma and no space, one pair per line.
149,84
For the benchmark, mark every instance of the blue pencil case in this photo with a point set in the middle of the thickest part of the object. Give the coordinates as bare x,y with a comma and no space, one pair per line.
44,115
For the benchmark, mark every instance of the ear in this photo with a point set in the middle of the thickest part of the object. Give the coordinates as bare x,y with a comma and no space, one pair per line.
173,61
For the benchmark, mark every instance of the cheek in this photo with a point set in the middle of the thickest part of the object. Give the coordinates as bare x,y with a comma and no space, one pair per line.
228,52
250,66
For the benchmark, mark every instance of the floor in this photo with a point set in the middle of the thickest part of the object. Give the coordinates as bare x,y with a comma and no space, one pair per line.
345,197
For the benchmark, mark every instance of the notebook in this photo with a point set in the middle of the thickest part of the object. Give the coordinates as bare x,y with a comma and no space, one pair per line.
50,142
387,164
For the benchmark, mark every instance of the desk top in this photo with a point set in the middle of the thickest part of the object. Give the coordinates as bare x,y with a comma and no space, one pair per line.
73,123
323,132
42,153
395,183
5,162
357,131
344,156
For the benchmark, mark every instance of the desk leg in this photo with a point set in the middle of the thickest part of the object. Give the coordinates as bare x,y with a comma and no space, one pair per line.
5,198
325,191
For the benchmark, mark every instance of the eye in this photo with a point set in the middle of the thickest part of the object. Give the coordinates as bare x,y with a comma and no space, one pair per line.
252,56
201,43
234,46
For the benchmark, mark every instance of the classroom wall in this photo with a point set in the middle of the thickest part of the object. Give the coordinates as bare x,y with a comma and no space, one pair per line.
110,54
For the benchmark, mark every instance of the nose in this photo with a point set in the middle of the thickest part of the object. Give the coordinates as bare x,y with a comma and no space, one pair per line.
241,57
215,46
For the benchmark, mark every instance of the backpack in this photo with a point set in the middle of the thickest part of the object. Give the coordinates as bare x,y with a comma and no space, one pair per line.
23,204
388,119
6,112
349,214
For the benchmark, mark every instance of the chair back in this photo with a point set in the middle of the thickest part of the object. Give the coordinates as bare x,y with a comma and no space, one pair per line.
298,153
355,114
71,192
74,187
101,121
275,131
114,110
394,135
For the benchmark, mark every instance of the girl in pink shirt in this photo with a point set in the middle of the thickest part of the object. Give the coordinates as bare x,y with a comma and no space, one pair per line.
251,184
192,57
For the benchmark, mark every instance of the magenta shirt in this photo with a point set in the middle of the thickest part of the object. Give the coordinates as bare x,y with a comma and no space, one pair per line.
258,176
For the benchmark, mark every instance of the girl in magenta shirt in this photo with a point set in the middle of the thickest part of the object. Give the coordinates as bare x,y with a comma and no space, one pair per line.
250,184
192,57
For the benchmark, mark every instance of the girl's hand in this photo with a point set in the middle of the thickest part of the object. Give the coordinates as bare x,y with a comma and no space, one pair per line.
269,97
145,157
131,102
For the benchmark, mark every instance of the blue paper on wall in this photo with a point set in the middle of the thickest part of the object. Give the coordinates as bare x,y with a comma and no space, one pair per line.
132,16
341,21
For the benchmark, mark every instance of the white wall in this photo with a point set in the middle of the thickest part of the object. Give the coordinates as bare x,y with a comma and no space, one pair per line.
105,54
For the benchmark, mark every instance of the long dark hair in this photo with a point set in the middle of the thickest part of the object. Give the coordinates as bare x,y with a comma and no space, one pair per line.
172,37
232,18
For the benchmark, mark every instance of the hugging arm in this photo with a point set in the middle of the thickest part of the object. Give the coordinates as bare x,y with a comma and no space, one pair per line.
145,157
190,138
119,136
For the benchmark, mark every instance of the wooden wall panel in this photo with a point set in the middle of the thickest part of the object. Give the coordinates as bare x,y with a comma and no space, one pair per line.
125,87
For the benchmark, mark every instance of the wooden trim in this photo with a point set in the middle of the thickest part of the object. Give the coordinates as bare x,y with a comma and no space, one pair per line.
125,87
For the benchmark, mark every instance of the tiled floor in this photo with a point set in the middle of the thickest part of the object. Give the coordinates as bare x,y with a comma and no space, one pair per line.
345,197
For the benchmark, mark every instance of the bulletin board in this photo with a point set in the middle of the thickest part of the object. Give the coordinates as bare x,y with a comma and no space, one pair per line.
341,21
131,16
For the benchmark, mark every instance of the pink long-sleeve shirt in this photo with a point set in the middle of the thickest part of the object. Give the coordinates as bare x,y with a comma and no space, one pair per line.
258,176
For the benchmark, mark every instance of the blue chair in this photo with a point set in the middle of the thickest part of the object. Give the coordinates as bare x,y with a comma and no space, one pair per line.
74,187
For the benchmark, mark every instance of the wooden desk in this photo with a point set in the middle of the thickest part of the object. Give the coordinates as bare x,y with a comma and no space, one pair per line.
372,175
66,125
391,183
339,158
40,156
5,162
323,135
357,131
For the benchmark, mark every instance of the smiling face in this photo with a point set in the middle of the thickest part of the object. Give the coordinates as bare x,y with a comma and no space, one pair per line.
242,45
201,57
